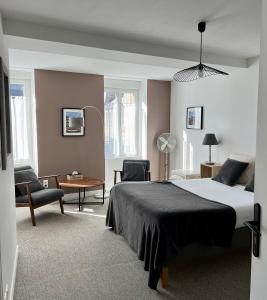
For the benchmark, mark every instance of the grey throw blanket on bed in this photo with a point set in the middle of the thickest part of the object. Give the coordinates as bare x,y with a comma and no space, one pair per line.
156,219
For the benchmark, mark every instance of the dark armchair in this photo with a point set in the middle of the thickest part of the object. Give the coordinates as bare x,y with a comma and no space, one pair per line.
30,192
134,170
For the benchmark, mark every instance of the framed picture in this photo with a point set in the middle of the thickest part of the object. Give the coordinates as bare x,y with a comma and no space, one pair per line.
68,113
5,120
194,117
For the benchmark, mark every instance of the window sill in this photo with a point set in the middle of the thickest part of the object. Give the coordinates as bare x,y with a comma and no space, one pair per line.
122,157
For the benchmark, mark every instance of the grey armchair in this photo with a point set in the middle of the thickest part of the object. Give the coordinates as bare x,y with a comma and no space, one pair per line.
30,192
134,170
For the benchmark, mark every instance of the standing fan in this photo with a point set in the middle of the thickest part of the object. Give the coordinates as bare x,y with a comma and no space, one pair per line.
166,143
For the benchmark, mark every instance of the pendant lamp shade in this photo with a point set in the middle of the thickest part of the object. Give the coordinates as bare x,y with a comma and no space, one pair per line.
200,70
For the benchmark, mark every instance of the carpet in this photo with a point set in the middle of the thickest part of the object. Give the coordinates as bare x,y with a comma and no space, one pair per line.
74,256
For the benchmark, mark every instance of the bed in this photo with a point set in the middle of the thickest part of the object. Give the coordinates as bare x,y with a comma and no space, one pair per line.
159,220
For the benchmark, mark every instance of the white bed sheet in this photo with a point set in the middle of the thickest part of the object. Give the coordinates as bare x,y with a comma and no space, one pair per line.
241,201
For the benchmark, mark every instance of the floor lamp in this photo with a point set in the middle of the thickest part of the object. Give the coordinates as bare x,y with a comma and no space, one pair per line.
78,122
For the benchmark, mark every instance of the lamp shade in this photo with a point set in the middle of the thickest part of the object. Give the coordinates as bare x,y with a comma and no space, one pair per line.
210,139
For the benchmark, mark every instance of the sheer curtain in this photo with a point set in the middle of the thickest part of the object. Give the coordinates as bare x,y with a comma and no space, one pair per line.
121,124
19,123
128,123
22,122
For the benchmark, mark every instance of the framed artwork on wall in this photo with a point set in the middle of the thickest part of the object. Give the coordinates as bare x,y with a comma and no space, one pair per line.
194,117
67,129
5,120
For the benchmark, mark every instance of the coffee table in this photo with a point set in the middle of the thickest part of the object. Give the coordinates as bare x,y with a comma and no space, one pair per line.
84,183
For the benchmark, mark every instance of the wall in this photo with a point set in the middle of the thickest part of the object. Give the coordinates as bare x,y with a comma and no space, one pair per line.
230,111
158,121
259,265
58,154
8,240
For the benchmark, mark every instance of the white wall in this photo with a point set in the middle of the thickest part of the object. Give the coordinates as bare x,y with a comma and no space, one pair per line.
230,111
8,242
259,265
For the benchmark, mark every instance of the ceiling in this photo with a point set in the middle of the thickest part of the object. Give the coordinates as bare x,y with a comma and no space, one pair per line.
24,59
26,53
233,25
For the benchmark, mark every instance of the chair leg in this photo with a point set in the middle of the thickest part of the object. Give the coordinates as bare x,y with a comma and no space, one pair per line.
61,205
32,216
164,276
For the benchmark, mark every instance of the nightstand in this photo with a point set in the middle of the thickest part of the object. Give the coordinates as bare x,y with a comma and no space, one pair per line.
207,171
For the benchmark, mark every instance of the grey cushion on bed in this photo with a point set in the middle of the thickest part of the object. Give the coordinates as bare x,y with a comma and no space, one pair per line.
250,185
42,196
27,175
133,171
230,172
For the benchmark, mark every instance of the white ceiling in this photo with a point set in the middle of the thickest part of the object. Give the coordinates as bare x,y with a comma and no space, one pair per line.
233,25
25,53
23,59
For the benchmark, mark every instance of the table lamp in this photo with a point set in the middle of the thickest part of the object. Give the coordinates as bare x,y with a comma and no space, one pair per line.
210,139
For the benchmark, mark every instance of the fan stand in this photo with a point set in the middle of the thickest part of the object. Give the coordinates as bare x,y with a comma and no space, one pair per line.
166,168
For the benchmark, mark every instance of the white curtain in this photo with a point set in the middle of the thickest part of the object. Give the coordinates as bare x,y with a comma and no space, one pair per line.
120,123
20,129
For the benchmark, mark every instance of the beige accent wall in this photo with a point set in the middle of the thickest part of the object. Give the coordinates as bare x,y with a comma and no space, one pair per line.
158,121
58,154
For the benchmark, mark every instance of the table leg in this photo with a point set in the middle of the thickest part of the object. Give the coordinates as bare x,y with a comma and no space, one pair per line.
103,193
84,193
79,199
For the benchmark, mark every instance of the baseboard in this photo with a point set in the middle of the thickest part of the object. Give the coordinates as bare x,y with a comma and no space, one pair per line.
14,273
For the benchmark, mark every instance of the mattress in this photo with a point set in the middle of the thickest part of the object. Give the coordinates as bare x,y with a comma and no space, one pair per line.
236,197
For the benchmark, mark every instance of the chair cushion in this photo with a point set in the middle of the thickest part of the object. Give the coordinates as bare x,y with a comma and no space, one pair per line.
230,172
146,163
27,175
43,196
133,171
21,168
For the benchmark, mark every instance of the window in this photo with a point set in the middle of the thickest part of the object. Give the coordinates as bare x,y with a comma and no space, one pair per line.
121,122
22,121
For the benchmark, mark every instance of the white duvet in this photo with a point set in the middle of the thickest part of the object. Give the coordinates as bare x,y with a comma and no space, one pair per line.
241,201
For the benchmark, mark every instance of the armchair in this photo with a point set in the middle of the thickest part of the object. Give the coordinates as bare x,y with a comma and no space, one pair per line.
134,170
30,192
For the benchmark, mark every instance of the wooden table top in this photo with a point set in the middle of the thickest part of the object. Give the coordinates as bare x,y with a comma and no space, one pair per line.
81,183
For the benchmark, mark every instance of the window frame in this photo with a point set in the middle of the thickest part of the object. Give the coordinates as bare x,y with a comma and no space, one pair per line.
26,80
119,92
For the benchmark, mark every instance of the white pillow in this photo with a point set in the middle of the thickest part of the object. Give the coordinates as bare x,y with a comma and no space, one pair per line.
250,169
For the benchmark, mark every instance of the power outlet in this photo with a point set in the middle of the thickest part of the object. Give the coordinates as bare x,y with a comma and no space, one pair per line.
6,292
45,183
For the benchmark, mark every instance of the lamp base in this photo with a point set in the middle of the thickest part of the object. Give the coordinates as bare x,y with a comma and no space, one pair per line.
209,163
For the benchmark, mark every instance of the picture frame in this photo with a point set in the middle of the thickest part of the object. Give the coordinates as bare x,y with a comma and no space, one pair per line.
194,117
71,112
5,118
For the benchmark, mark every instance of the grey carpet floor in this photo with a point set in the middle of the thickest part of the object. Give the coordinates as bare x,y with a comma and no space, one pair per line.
73,256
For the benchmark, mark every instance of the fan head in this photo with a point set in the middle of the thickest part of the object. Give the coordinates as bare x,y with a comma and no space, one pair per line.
166,142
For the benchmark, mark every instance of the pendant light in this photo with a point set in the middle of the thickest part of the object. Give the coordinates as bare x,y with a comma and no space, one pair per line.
200,70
